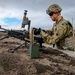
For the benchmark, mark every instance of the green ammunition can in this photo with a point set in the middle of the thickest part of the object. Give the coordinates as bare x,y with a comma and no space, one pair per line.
34,50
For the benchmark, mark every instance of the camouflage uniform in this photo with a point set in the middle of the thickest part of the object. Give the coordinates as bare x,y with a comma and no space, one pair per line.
62,35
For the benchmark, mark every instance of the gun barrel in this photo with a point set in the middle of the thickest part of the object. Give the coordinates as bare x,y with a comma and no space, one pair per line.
3,28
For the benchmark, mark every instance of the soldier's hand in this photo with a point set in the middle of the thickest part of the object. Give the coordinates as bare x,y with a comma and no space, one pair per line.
37,31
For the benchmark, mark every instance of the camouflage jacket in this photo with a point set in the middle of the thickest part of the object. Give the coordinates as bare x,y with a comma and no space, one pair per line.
62,34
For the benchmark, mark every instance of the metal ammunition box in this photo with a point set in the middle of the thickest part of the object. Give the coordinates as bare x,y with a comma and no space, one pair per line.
33,50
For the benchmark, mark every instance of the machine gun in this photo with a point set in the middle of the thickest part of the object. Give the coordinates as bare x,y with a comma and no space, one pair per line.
24,35
32,41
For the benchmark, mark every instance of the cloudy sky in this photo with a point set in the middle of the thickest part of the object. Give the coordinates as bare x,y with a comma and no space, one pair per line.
12,11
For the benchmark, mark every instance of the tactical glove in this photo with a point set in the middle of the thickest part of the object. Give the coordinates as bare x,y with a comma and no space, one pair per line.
37,31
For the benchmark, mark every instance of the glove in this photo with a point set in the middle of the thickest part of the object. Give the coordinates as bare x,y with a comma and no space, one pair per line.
37,31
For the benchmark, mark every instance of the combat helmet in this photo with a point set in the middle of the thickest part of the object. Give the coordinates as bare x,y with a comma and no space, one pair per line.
53,8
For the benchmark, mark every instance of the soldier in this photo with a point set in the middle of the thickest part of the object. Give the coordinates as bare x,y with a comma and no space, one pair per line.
61,34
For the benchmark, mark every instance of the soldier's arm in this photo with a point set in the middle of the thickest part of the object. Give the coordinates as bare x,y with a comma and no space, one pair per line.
59,34
49,32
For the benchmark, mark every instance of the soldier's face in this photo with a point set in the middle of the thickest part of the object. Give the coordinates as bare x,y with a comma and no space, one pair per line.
54,16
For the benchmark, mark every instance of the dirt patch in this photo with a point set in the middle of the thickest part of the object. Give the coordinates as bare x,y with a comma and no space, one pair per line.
11,64
50,62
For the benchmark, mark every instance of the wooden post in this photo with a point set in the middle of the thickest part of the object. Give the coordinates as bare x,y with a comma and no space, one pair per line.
32,35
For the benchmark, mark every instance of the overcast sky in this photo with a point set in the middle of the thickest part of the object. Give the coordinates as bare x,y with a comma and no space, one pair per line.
12,11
